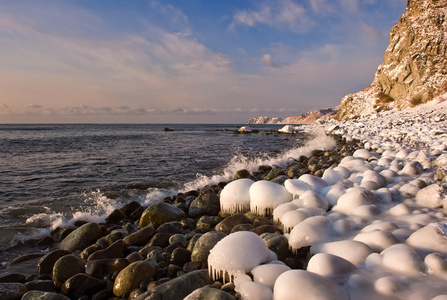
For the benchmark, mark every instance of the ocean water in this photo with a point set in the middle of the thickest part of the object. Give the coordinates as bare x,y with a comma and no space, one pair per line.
53,175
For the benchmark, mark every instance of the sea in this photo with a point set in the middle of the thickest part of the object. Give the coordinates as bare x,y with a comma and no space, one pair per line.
53,175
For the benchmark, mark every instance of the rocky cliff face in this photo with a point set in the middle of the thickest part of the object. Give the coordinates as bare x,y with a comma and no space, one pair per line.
310,117
264,120
414,70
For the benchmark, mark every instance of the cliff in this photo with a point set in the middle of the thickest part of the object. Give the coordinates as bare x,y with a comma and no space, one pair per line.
415,65
264,120
314,116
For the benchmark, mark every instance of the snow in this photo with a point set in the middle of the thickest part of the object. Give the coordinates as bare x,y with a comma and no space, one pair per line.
235,196
383,234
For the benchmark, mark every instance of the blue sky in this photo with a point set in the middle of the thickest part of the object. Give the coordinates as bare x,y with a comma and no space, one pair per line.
192,61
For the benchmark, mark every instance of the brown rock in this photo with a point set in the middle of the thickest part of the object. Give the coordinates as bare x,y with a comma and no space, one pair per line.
46,263
227,224
115,250
130,277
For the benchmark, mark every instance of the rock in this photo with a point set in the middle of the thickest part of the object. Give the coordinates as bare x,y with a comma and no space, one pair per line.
180,256
413,71
227,224
278,243
82,237
178,288
134,256
130,208
66,267
207,204
171,227
204,244
241,174
40,295
266,229
12,291
413,168
14,277
41,285
81,284
140,237
131,276
115,250
160,240
209,292
115,216
160,213
105,267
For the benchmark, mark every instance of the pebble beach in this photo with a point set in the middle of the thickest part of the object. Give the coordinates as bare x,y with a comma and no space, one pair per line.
361,214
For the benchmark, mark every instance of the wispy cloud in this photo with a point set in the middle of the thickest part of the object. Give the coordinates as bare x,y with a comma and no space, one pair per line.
280,14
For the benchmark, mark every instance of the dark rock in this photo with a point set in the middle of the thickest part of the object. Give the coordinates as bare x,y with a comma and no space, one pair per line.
115,216
105,267
159,239
41,295
204,244
171,227
112,237
317,153
82,284
278,243
180,256
274,173
41,285
140,237
89,251
242,227
208,292
45,241
260,221
131,276
15,277
129,208
173,246
280,179
136,214
227,224
194,265
173,270
266,229
178,288
82,237
66,267
12,291
208,204
134,256
160,213
241,174
209,220
115,250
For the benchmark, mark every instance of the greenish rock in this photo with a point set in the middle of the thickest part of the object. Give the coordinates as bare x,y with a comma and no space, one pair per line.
46,263
278,243
66,267
82,237
178,288
204,244
210,220
115,250
39,295
131,277
193,241
241,174
207,204
242,227
274,173
12,291
159,213
209,292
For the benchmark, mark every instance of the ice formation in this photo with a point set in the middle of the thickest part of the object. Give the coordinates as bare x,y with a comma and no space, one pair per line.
299,284
235,196
296,187
236,254
311,231
265,196
268,273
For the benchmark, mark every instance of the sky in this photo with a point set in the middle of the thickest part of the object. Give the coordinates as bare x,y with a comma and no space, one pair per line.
185,61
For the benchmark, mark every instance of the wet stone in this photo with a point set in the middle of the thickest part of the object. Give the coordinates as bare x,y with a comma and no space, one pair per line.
160,239
41,295
139,237
12,291
41,285
115,216
171,227
134,256
131,207
82,284
204,244
242,227
130,277
46,263
66,267
208,292
115,250
208,204
82,237
209,220
160,213
15,277
241,174
278,243
266,229
178,238
227,224
105,267
180,256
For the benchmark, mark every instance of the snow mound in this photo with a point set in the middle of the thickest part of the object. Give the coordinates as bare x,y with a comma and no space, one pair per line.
235,196
265,196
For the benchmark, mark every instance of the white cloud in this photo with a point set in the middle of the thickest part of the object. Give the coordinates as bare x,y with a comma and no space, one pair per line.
280,14
267,59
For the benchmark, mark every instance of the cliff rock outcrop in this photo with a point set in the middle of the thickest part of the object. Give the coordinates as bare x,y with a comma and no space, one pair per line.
264,120
414,70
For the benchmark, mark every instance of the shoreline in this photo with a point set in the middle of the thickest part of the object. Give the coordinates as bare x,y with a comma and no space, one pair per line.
395,203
